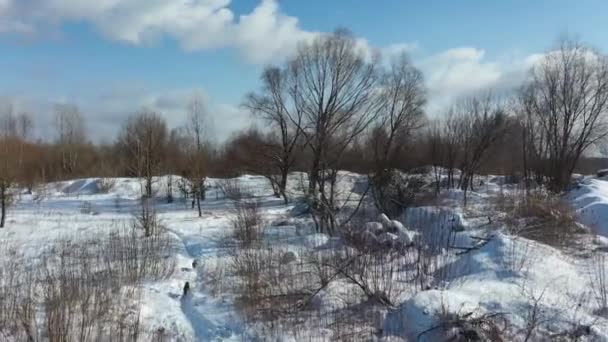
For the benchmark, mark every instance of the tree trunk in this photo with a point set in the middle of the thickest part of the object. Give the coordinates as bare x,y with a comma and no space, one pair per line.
170,190
283,185
198,204
202,191
149,187
313,177
437,180
3,204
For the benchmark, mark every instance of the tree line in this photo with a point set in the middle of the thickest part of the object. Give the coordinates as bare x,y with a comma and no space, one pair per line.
334,107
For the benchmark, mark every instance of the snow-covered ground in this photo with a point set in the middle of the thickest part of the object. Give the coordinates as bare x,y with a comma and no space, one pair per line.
489,275
56,212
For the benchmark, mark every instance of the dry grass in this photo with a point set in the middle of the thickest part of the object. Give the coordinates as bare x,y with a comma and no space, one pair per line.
539,216
81,291
233,190
599,283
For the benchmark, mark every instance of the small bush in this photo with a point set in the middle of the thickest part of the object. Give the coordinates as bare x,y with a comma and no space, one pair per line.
519,256
146,219
599,283
104,185
269,287
394,191
247,222
87,208
232,189
131,258
466,326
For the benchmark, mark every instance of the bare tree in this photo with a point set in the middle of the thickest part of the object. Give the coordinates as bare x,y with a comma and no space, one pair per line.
70,136
197,150
434,141
175,162
142,141
333,86
11,151
276,105
479,122
401,100
565,104
451,146
25,125
256,153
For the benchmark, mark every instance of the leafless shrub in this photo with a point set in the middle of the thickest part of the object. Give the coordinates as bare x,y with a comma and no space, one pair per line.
383,276
322,267
250,265
580,328
129,258
145,218
269,286
105,184
537,313
599,283
247,222
214,277
10,279
40,194
86,208
79,291
465,326
394,191
232,189
436,254
519,256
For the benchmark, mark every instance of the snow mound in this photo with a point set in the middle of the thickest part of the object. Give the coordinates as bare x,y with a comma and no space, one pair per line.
590,199
488,280
337,295
386,233
425,217
82,186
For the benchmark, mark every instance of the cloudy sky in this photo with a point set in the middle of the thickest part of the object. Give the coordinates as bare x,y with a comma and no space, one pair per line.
112,57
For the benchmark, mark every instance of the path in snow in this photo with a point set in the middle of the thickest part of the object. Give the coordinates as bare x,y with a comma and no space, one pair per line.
210,318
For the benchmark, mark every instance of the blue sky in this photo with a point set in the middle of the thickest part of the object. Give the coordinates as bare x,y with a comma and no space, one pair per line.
112,57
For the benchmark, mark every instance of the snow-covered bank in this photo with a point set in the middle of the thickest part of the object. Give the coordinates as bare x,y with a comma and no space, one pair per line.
590,199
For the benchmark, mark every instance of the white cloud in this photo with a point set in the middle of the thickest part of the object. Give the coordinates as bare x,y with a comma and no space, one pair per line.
449,75
260,36
463,71
263,35
266,33
397,49
104,114
111,109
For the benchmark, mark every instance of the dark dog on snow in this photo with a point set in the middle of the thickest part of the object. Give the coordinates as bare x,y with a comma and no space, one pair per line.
186,289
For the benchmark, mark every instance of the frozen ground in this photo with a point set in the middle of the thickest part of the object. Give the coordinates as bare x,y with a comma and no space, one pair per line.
513,278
